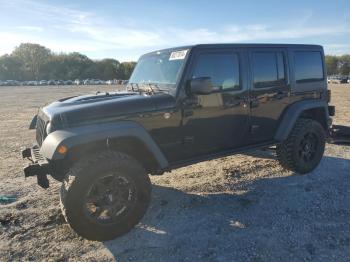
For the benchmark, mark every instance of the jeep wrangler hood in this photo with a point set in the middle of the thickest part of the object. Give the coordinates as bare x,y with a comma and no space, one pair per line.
103,107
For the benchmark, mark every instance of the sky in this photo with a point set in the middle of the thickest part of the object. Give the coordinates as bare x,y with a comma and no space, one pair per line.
124,30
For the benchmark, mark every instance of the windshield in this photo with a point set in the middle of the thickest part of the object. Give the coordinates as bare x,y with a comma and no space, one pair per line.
160,68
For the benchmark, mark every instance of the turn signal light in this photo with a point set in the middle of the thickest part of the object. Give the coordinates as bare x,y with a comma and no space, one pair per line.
62,150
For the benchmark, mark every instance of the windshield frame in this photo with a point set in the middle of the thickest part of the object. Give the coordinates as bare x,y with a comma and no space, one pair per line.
172,90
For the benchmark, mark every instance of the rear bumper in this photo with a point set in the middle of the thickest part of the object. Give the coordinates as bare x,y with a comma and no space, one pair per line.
38,166
340,135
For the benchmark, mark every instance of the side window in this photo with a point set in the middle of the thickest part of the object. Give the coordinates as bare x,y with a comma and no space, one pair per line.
308,66
222,68
268,69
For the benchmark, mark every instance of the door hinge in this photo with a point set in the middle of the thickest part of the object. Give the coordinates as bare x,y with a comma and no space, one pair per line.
254,129
187,113
188,139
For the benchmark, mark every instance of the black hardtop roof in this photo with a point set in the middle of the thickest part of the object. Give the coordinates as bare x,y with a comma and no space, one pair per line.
257,45
241,45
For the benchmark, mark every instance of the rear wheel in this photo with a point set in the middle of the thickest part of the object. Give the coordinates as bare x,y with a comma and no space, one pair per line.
105,195
302,151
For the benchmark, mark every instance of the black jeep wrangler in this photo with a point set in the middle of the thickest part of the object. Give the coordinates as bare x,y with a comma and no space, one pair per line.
181,106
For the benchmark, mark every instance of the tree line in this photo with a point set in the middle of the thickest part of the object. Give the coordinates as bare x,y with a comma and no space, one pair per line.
35,62
338,65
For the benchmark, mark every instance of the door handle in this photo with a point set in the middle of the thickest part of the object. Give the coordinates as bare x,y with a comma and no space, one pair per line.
280,95
232,103
254,103
187,113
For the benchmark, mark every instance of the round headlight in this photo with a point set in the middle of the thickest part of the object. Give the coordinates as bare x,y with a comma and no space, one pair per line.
48,128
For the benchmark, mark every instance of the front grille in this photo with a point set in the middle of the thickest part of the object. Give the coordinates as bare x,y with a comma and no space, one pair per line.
36,156
40,130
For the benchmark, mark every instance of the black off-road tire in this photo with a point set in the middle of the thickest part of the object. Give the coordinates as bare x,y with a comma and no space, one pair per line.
82,176
288,152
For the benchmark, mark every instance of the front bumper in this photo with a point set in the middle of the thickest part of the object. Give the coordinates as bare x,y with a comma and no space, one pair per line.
38,165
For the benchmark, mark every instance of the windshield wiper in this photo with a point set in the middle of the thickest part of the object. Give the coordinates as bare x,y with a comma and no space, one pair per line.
136,85
153,86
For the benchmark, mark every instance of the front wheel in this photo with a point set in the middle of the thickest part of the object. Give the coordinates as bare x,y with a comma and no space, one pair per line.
105,195
302,151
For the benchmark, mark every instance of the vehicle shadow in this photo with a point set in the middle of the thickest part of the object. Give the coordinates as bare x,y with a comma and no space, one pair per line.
277,218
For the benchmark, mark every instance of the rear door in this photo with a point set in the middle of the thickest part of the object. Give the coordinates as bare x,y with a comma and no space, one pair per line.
269,91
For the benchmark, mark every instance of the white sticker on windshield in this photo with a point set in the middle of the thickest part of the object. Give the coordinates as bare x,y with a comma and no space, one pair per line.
177,55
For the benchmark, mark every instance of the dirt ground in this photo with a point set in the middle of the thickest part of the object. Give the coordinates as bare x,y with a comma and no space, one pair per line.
239,208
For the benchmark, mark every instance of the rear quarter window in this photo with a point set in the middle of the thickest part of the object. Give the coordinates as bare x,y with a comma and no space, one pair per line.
308,66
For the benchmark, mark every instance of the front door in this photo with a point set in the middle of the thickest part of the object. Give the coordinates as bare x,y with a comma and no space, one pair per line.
217,121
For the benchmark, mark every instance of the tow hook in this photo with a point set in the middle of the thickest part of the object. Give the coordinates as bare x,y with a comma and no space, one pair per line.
26,153
34,169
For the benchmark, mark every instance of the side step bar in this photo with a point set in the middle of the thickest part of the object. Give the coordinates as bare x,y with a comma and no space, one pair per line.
340,135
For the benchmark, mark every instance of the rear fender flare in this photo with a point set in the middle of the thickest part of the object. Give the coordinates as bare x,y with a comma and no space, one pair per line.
292,114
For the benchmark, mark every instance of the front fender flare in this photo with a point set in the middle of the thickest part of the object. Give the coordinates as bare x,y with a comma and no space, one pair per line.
85,134
32,124
292,114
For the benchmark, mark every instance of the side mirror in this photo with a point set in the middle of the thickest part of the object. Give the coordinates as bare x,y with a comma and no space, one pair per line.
202,86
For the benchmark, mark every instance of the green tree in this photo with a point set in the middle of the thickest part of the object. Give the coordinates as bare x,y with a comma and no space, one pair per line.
76,65
332,65
90,72
345,69
34,62
10,68
126,69
33,57
107,69
345,65
66,66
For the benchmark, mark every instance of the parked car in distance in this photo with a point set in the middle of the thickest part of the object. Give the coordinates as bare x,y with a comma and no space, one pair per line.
337,80
112,82
43,83
94,82
68,82
51,82
31,83
343,80
98,82
11,82
78,82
